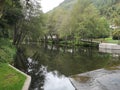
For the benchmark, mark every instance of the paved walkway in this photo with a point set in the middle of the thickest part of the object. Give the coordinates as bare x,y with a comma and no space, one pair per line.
101,79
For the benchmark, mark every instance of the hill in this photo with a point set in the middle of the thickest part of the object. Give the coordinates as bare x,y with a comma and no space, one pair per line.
100,4
77,15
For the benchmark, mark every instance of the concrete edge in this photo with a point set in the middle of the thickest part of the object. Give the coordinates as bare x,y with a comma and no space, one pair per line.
27,81
70,79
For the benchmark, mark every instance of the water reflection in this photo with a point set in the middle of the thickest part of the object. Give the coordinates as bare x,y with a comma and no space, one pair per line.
42,79
113,51
49,65
55,81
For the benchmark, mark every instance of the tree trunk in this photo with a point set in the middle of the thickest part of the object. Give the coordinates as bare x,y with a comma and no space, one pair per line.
57,39
45,38
15,35
51,38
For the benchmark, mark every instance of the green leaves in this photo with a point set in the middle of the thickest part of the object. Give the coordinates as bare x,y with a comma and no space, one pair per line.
116,35
83,21
13,15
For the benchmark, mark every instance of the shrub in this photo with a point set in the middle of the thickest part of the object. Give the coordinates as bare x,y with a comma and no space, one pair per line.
116,35
7,51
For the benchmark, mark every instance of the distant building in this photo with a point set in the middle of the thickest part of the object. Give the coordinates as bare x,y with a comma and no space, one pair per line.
54,36
114,27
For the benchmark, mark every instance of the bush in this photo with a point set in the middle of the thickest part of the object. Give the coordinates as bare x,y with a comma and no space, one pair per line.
116,35
7,51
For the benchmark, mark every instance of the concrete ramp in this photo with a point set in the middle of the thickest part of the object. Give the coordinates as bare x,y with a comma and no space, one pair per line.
102,79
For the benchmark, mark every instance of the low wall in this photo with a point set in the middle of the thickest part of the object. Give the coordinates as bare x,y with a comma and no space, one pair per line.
109,46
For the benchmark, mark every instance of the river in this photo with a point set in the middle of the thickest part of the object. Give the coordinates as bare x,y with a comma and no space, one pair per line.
50,65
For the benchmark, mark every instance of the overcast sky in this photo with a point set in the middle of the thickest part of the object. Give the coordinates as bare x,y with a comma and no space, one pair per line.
48,5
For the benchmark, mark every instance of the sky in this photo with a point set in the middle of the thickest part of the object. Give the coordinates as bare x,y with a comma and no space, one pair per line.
48,5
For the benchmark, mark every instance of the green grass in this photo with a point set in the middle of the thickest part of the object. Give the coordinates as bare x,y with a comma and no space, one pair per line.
107,40
110,40
10,79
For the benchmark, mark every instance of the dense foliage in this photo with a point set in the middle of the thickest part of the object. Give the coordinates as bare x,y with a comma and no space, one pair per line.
116,35
19,20
79,20
7,51
23,20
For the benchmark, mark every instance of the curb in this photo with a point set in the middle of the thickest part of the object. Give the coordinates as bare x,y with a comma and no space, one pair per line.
27,81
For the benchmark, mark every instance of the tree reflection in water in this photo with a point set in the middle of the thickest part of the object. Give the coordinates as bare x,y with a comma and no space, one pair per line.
50,65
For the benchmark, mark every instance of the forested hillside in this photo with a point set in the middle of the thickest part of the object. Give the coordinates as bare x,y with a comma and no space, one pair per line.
100,4
84,18
73,20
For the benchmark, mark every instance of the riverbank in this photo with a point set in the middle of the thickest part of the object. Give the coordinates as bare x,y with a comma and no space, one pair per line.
107,40
70,43
10,79
27,80
83,42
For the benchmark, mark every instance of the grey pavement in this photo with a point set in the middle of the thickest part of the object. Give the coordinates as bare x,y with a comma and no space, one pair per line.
101,79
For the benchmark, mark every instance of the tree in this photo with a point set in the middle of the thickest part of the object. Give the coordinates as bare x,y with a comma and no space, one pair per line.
82,22
31,25
21,18
11,13
87,21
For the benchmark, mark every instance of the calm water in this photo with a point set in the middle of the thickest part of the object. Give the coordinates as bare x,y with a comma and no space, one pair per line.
50,66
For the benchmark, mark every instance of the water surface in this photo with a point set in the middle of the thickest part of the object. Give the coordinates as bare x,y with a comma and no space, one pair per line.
50,66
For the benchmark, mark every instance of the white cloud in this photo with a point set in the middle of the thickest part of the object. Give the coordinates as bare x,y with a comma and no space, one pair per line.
48,5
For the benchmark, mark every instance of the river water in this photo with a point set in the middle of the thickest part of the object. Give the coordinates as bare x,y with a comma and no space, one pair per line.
50,66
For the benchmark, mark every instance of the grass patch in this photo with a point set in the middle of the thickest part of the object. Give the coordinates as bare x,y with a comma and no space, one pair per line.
107,40
10,79
110,40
